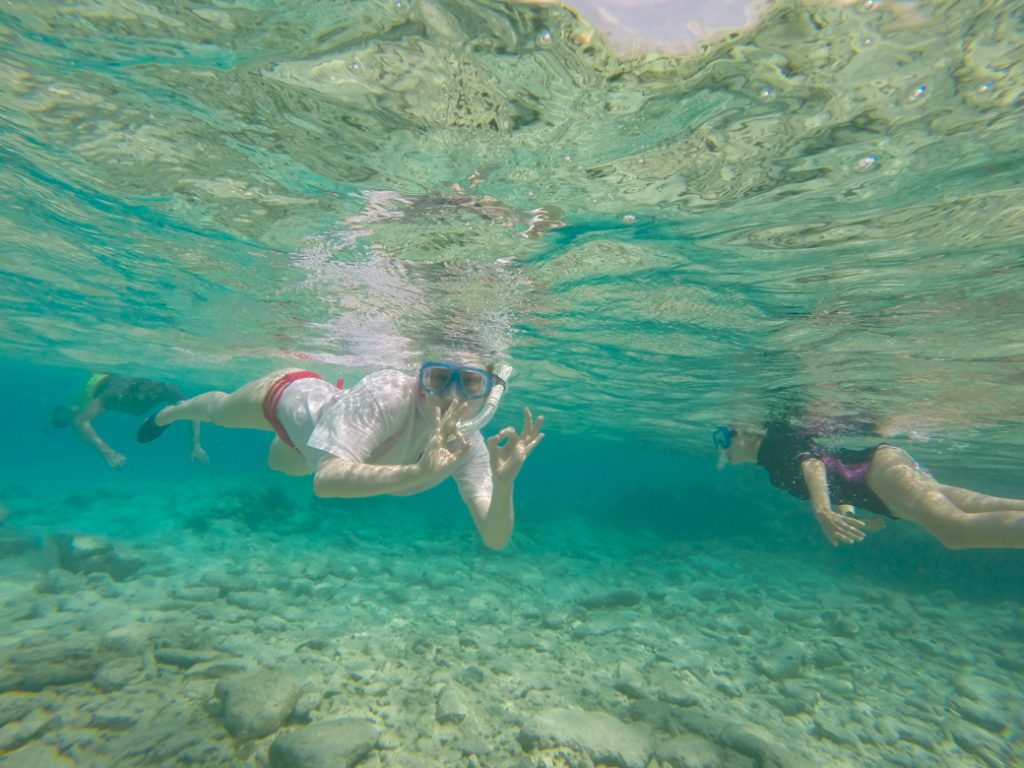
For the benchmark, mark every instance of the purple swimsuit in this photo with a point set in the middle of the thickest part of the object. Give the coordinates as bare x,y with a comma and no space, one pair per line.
783,450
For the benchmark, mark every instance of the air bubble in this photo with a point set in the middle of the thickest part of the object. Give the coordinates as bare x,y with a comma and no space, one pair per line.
917,94
767,92
987,86
867,6
567,159
355,66
866,164
867,41
544,37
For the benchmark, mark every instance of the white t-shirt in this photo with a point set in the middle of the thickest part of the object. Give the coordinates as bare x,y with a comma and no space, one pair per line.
385,419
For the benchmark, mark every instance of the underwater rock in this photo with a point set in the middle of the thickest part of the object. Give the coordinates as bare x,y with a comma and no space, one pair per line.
219,668
103,585
451,705
307,702
91,554
785,661
119,673
35,665
19,732
689,750
129,640
196,593
919,733
677,695
618,598
250,601
37,755
987,714
754,741
827,656
983,745
628,681
799,696
978,700
257,704
184,658
59,583
14,706
331,744
836,732
112,720
604,738
13,544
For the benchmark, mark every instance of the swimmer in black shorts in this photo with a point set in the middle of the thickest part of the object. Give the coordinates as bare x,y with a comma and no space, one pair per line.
123,394
884,479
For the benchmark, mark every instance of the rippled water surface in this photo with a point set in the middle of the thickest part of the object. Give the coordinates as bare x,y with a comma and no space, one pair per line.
818,215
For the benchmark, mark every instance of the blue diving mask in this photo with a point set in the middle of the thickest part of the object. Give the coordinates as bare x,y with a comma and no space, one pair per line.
472,383
722,437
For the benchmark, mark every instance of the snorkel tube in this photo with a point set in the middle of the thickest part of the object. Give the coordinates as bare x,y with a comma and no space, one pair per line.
502,373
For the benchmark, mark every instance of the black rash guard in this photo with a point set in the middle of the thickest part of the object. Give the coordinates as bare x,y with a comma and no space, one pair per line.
783,450
136,397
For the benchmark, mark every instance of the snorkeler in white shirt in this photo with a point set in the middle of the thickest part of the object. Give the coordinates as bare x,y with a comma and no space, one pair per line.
390,434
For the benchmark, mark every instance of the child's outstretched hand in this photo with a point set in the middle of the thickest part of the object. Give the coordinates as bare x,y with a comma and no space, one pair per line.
840,528
509,450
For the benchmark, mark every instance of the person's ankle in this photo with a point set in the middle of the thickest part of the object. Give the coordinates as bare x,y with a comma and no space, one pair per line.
157,416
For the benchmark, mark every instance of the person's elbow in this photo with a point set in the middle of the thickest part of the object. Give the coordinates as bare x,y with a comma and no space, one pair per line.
811,466
325,487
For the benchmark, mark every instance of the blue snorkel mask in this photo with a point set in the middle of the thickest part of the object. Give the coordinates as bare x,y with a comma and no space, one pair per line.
722,437
473,383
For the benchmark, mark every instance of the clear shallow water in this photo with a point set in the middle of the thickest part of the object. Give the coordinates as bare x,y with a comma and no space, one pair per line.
819,216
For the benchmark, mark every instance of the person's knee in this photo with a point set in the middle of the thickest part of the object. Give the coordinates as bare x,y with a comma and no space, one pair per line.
955,540
956,534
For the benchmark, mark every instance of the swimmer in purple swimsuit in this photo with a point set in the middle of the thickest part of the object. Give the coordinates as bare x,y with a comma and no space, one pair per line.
884,479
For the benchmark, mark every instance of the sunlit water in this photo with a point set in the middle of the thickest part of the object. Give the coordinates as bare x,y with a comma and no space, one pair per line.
817,217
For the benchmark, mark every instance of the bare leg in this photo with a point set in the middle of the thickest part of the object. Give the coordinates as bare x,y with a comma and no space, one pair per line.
283,458
913,494
241,409
972,501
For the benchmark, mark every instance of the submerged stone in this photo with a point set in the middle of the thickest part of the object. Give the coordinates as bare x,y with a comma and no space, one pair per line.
91,554
256,705
34,666
604,738
37,755
331,744
451,705
689,750
618,598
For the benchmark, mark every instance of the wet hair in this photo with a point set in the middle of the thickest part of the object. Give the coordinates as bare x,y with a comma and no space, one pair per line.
62,416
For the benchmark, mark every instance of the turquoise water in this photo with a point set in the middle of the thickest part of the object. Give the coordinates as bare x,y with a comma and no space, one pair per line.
818,216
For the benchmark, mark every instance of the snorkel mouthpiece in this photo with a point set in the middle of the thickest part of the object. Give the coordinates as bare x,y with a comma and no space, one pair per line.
502,373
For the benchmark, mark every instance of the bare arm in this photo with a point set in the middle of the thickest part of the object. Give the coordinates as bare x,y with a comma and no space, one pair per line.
495,517
83,426
198,453
346,479
341,479
839,528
